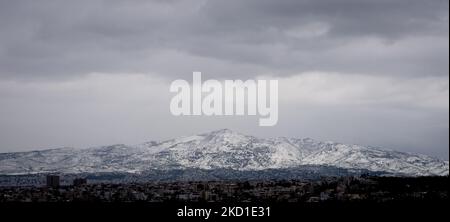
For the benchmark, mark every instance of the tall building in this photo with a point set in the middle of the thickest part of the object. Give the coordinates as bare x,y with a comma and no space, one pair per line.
52,181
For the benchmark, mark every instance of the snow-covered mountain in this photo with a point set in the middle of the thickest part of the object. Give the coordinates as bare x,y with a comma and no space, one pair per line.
222,149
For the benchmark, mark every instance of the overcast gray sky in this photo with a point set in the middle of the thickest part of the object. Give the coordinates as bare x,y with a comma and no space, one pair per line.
90,72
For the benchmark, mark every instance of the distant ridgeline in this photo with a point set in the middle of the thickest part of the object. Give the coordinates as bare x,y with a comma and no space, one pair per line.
217,155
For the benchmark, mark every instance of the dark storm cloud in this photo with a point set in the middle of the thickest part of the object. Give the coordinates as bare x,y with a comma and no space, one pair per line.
58,39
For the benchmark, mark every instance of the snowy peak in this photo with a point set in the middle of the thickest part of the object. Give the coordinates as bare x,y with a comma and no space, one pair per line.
220,149
225,136
220,132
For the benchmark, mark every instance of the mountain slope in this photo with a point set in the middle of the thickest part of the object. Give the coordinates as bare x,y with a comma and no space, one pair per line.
221,149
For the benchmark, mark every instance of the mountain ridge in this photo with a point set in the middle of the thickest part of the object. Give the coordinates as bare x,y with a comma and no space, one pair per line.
220,149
